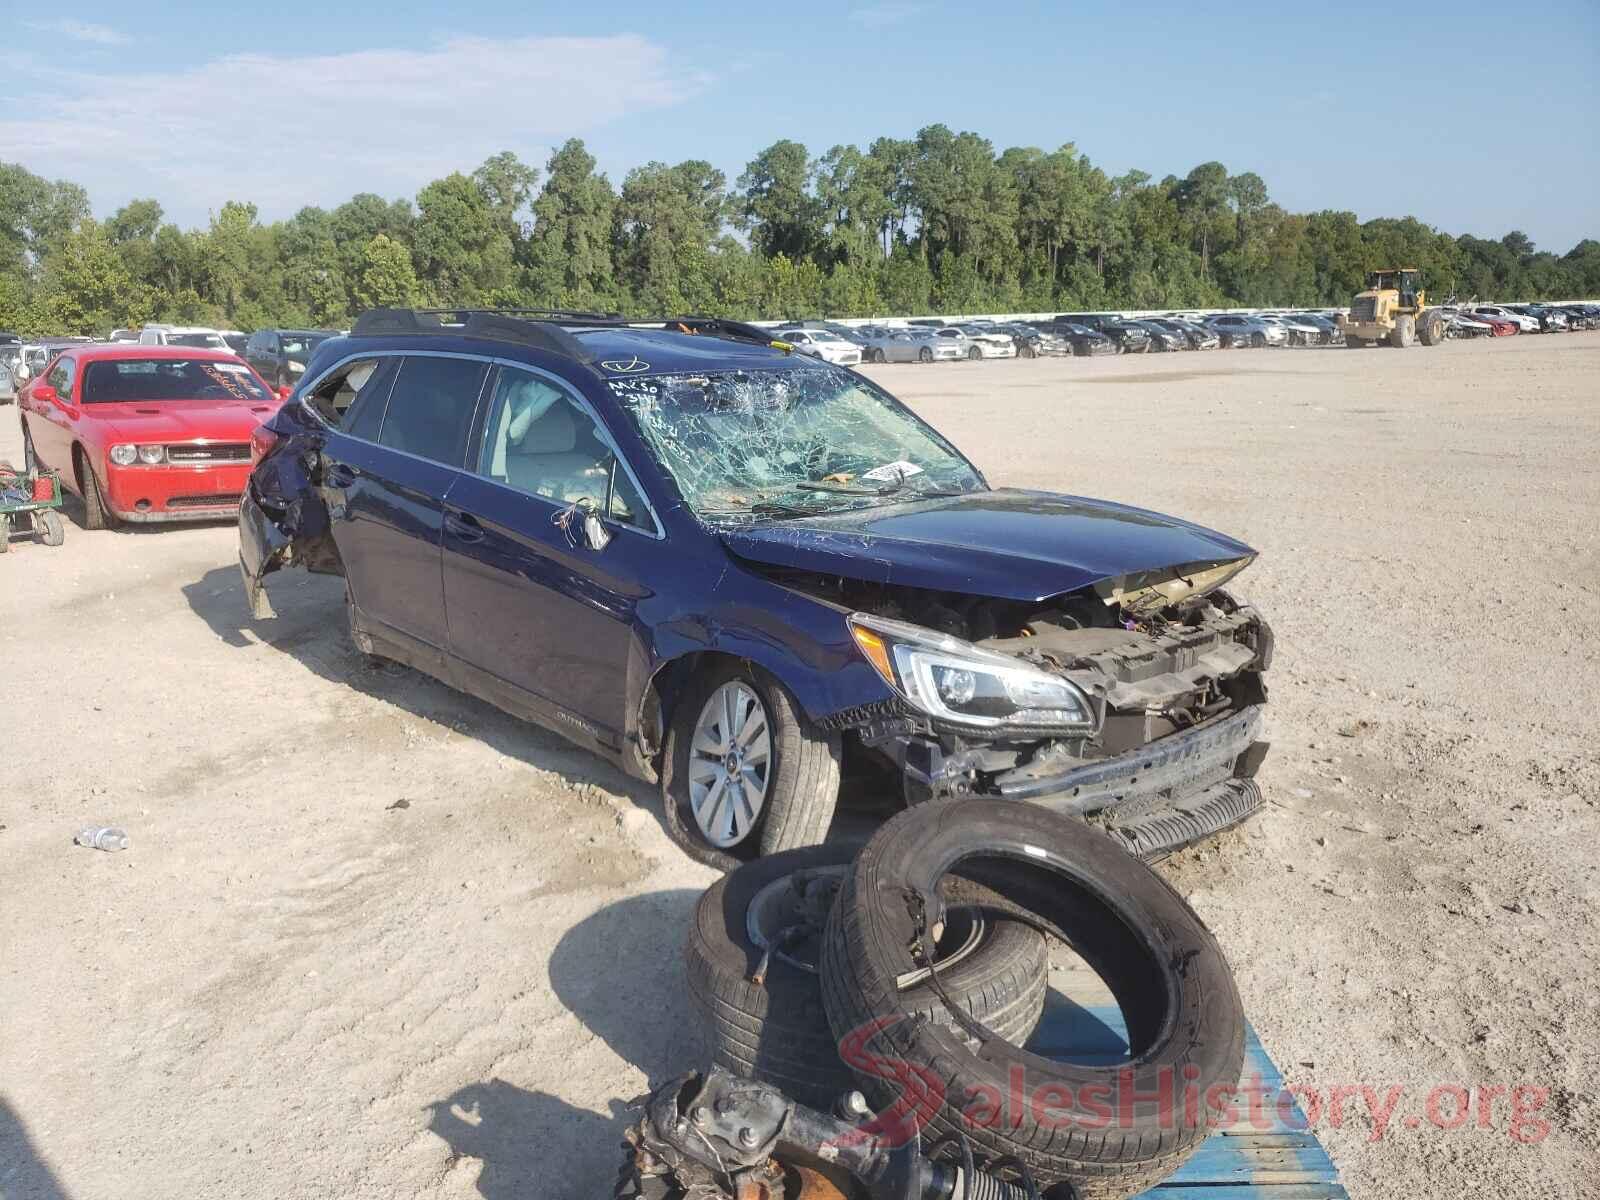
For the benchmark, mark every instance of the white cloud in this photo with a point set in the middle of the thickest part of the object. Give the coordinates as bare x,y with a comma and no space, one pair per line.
881,16
80,31
289,131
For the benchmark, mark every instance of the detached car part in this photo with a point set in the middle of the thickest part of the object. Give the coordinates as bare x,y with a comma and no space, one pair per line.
715,1137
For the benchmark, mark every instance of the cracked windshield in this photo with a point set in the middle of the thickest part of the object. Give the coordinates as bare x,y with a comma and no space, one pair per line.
774,444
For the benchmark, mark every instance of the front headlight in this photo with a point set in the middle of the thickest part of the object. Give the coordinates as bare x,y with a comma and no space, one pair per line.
958,682
152,454
124,456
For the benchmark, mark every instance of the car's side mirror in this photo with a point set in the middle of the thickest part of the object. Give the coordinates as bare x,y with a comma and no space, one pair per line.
43,391
595,534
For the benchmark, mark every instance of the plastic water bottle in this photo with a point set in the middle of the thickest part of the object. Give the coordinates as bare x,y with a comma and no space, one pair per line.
103,837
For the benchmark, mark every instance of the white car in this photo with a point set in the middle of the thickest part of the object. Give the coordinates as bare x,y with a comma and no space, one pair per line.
1524,324
823,344
183,335
1301,331
983,342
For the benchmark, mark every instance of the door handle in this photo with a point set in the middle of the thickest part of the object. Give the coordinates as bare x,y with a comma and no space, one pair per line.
338,475
463,527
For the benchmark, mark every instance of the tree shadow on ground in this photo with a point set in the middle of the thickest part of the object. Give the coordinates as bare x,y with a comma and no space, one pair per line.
23,1175
620,972
531,1143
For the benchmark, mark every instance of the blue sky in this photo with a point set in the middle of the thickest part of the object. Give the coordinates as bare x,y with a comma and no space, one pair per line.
1475,117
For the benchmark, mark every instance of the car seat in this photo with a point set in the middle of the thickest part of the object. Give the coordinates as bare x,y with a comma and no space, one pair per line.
552,450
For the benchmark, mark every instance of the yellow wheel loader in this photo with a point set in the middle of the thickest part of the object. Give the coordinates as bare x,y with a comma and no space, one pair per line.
1392,309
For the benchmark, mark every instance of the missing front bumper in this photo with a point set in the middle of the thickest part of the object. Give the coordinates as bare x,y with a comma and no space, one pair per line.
1162,796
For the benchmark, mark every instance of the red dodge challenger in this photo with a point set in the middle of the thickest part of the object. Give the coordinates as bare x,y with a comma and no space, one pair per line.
146,433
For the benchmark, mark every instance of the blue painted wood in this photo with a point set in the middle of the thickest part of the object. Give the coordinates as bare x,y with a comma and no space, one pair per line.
1267,1154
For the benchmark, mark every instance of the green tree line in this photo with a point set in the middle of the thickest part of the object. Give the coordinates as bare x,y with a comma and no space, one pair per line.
936,223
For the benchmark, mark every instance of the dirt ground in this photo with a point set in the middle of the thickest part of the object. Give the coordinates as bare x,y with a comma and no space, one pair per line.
374,938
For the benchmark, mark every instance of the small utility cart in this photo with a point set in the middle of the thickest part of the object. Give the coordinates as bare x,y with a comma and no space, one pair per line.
30,500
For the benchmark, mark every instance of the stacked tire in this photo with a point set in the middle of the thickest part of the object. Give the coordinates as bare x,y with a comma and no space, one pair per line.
932,1016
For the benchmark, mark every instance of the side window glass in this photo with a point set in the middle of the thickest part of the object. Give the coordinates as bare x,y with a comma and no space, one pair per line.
336,395
61,379
364,418
540,441
431,406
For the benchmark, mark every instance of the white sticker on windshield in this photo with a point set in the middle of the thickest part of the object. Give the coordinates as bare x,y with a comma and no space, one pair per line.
890,472
232,368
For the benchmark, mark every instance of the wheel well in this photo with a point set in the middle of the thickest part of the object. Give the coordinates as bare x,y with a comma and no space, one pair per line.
666,686
80,464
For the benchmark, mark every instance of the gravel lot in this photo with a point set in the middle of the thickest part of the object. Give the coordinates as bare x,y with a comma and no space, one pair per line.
374,938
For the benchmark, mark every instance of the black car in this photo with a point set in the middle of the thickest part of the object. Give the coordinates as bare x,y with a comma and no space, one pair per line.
736,571
280,355
1161,338
1198,336
1085,342
1129,336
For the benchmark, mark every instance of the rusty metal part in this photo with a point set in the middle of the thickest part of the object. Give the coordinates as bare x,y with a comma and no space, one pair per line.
814,1185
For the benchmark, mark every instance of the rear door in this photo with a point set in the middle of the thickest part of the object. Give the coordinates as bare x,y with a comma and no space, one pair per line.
531,604
383,480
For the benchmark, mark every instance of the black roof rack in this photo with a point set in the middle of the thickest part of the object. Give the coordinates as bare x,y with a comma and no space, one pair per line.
484,323
545,329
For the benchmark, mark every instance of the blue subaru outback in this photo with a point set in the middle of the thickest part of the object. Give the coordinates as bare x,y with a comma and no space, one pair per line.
743,573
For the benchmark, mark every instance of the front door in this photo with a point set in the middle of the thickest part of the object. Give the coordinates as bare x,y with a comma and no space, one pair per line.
530,601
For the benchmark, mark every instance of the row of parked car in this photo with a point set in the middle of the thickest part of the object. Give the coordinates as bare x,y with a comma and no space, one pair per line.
1083,334
1506,320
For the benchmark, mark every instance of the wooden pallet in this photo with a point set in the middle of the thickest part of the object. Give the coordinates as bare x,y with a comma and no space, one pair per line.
1272,1159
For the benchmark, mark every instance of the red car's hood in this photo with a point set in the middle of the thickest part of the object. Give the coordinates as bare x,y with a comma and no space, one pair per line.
182,420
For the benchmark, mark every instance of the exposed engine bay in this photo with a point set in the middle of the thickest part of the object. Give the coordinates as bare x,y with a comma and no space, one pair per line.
1171,664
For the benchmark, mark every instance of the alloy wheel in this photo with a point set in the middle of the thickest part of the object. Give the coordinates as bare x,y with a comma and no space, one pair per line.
730,764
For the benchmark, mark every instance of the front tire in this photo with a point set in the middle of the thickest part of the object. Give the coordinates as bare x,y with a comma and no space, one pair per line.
96,513
744,773
1258,340
926,355
974,354
1404,332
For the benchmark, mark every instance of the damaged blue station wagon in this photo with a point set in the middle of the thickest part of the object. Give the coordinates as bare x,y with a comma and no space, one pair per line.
742,573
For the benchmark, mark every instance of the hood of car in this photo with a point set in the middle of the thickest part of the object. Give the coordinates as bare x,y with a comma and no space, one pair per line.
182,420
1008,544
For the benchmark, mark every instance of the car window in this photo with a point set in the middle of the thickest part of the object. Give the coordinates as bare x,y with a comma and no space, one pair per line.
61,378
431,406
364,415
334,396
539,440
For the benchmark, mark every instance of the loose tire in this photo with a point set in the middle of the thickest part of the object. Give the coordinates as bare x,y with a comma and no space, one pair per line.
779,1031
1167,972
1404,332
799,777
925,355
1431,330
52,529
96,515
